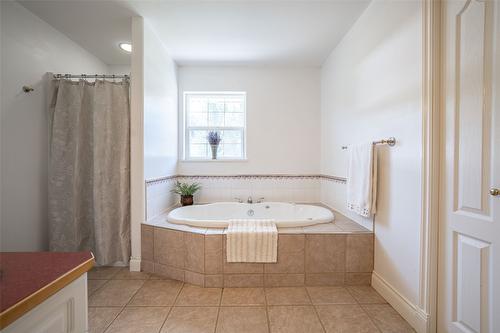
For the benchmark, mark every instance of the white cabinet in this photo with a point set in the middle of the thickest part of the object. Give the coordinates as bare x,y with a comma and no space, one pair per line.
63,312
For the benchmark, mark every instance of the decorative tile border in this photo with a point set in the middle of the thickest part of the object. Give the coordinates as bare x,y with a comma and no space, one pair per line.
154,181
336,179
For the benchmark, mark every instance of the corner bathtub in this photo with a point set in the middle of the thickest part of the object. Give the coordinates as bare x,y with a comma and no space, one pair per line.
218,215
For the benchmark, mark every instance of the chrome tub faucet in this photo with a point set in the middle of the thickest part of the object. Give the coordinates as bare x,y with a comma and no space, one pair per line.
249,200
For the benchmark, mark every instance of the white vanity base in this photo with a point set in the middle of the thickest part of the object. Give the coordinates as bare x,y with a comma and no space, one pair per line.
63,312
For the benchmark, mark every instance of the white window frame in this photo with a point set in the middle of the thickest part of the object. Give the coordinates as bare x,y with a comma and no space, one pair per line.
185,128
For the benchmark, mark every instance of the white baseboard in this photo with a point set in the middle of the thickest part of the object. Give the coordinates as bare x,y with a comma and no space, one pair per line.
135,264
415,316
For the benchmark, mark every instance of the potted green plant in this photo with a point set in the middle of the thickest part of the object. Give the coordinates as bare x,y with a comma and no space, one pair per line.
214,139
186,192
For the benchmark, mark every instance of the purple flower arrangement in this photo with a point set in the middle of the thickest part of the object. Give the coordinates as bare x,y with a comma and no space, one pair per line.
214,138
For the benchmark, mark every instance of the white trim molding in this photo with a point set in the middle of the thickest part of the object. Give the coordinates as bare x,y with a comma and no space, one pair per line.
137,190
415,316
135,264
431,31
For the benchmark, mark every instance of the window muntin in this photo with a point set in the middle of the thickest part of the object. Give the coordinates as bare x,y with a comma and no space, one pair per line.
222,112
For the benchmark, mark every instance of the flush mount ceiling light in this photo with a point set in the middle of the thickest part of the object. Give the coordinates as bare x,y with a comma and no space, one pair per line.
127,47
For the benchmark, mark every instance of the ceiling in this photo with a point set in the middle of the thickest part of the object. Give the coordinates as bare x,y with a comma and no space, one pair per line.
283,33
97,26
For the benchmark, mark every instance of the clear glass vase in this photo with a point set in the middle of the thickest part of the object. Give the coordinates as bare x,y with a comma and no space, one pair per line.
214,151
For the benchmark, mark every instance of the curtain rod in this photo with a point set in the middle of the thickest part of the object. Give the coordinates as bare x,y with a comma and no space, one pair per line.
29,89
91,76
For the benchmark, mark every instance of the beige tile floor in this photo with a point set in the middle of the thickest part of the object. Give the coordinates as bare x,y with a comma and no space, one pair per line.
122,302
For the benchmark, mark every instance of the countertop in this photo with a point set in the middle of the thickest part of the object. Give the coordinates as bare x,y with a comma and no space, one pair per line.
29,278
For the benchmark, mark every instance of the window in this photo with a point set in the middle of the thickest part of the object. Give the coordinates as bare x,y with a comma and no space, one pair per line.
222,112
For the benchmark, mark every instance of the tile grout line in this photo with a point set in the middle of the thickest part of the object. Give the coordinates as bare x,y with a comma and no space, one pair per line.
267,310
171,307
345,259
124,306
116,316
315,310
369,317
305,260
88,294
218,310
112,321
363,310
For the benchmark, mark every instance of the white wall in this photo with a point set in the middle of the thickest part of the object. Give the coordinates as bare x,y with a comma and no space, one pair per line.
29,48
119,69
283,117
160,108
371,89
160,122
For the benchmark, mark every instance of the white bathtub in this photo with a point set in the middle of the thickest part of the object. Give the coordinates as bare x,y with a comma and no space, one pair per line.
217,215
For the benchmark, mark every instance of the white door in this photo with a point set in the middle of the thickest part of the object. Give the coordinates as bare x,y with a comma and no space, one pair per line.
469,233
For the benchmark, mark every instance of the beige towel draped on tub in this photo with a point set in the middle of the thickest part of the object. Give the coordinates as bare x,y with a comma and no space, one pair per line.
249,240
362,179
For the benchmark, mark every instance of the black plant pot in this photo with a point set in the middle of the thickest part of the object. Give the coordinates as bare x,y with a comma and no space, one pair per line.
186,200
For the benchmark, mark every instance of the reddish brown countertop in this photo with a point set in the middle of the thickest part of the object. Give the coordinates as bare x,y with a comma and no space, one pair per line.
28,278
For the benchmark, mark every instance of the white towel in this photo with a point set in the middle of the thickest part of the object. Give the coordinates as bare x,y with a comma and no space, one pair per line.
362,179
250,240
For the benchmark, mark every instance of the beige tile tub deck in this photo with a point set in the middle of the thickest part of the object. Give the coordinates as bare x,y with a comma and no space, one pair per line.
169,247
359,253
325,255
195,252
147,245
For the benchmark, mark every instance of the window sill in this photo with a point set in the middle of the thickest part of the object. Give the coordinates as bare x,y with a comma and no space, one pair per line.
215,161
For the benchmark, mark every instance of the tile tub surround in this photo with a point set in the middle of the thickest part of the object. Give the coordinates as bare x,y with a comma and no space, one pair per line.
277,187
332,254
159,197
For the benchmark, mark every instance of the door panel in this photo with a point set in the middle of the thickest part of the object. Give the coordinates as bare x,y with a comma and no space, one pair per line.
472,55
469,233
472,284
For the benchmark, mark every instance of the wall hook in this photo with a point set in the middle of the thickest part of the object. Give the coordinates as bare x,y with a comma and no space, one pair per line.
28,89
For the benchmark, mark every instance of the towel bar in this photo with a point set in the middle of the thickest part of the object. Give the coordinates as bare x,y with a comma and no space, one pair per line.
390,141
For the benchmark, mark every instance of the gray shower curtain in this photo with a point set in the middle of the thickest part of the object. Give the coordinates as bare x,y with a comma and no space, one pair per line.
89,168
